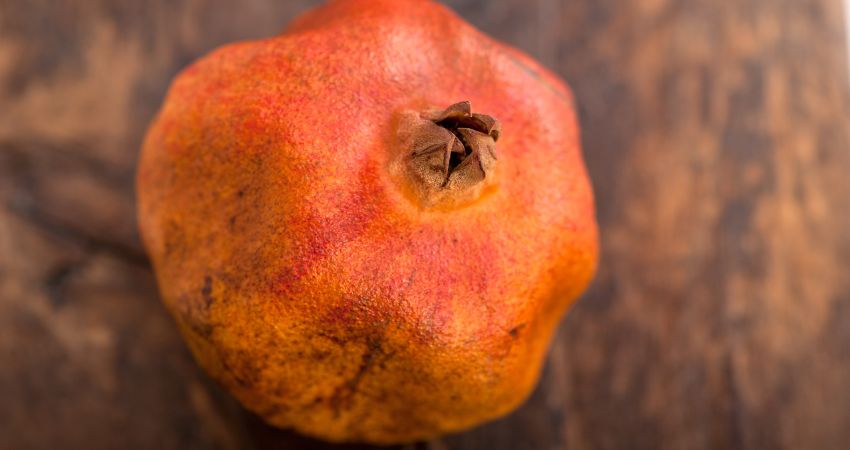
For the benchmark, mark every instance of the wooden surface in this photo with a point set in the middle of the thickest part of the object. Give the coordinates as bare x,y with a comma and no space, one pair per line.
717,134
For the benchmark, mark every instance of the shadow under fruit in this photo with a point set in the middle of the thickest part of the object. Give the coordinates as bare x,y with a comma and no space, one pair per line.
368,227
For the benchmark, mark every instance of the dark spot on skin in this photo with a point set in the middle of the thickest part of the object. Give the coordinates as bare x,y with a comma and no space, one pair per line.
320,355
335,339
175,240
241,379
514,332
343,394
410,278
274,410
206,292
195,312
200,327
240,193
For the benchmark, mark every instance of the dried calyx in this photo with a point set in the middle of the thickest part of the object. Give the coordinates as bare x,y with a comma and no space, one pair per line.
452,153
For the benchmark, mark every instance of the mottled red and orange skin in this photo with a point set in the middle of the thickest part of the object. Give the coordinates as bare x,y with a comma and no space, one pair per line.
303,279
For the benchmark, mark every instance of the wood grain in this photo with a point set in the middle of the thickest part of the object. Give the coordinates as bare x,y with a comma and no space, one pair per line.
718,139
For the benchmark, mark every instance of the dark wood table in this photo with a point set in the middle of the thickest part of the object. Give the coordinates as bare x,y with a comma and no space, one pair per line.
718,138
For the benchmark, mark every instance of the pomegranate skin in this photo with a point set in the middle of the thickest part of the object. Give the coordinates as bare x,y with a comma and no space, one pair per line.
301,271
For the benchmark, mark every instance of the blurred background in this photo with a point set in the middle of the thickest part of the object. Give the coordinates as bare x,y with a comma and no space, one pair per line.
717,134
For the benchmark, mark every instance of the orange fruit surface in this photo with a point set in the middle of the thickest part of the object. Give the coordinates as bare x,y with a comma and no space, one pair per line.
312,273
